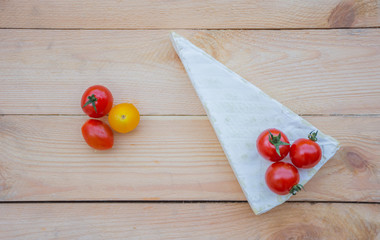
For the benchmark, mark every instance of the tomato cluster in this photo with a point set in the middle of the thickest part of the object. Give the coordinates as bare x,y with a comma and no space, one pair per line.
273,145
97,102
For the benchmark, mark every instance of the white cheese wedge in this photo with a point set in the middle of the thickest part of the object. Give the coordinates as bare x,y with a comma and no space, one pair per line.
239,112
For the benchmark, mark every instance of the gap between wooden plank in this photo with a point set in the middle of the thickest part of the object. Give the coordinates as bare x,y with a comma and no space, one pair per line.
186,115
172,201
193,29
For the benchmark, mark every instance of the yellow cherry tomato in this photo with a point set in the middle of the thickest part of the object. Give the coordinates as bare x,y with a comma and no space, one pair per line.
124,117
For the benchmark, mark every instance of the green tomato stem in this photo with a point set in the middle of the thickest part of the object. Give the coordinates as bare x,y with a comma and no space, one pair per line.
296,188
91,100
313,136
276,141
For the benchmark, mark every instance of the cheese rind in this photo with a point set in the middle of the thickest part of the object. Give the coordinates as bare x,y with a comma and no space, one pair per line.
239,112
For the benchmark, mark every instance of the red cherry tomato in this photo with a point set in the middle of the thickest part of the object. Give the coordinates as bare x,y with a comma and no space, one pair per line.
97,101
306,153
273,145
97,134
282,178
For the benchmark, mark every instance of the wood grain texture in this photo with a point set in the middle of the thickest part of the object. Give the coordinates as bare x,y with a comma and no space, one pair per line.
189,221
311,72
165,158
189,14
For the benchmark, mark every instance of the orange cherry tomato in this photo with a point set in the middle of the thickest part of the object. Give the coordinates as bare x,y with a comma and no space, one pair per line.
124,117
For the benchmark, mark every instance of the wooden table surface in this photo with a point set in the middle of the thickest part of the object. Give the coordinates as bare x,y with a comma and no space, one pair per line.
169,179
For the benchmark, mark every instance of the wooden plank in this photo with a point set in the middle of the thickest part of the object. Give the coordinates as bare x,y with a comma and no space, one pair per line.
165,158
46,72
188,221
189,14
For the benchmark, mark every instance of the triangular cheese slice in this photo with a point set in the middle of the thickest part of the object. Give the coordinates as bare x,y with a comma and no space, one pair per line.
239,112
